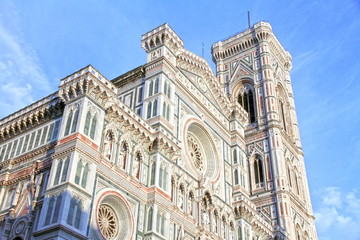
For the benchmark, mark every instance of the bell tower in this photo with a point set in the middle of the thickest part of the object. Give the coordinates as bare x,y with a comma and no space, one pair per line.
254,71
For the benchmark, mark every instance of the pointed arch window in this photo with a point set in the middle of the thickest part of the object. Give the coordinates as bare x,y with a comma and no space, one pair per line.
247,101
61,171
155,108
258,170
68,123
57,209
65,170
235,158
289,176
150,219
72,121
90,125
156,89
49,211
236,177
74,214
152,174
151,88
85,175
149,109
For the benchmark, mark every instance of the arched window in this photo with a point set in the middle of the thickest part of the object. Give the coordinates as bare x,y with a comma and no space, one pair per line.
87,123
150,219
57,209
68,123
49,211
236,177
289,176
74,214
149,108
164,110
282,114
168,112
84,176
152,174
156,90
58,172
151,87
155,108
239,233
75,120
158,221
65,170
78,172
162,229
90,124
163,177
247,100
235,156
258,170
93,127
297,184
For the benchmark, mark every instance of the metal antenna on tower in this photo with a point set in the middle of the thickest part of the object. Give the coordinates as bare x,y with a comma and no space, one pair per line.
249,19
202,52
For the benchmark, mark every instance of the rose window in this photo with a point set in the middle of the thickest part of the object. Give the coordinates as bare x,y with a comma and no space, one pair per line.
195,153
108,222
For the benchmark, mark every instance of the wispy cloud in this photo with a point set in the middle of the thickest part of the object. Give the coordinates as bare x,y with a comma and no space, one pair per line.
338,214
22,77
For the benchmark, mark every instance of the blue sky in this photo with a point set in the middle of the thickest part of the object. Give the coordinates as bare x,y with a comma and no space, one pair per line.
44,41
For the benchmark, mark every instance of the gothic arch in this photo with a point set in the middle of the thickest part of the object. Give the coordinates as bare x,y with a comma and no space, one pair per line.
200,154
112,204
244,93
284,109
257,170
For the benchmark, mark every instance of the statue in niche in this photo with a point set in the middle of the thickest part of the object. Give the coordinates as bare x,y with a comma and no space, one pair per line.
205,217
190,203
181,200
108,145
136,167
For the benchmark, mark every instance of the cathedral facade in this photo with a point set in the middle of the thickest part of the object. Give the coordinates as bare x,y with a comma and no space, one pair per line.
169,150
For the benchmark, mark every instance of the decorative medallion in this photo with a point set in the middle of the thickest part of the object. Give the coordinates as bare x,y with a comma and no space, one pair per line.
202,84
195,153
19,227
108,222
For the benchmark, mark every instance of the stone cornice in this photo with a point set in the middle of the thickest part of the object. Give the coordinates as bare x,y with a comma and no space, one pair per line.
163,34
260,32
35,114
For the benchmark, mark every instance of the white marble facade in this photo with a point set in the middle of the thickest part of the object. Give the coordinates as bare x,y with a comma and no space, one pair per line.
169,150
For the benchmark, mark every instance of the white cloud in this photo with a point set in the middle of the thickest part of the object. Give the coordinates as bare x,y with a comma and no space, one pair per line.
338,214
22,79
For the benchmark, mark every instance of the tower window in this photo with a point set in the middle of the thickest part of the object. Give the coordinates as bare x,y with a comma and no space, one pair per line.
258,170
246,100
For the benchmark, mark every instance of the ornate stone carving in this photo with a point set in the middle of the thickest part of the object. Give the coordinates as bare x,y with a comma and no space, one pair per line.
108,222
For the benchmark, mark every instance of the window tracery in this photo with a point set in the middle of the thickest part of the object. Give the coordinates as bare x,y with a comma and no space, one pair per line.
246,99
258,171
195,153
108,222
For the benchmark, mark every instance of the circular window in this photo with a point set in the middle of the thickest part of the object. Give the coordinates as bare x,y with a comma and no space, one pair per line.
200,152
113,217
108,222
195,153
